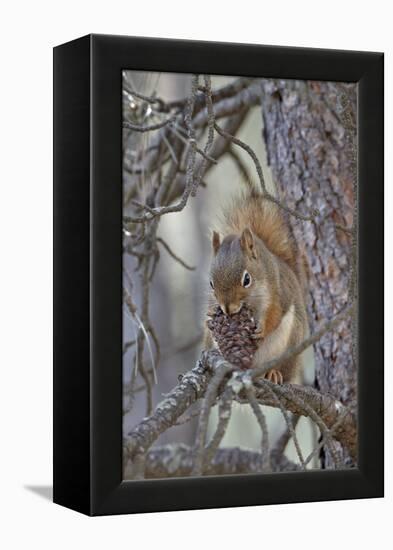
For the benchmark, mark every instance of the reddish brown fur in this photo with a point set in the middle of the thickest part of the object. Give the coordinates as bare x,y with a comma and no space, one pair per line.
266,221
273,317
255,238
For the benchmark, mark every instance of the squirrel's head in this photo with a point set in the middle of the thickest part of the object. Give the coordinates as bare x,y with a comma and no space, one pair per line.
235,270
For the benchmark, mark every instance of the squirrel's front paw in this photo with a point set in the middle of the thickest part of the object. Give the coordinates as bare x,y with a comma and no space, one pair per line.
274,375
258,333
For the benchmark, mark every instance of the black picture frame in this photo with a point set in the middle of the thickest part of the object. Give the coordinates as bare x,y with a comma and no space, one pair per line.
88,274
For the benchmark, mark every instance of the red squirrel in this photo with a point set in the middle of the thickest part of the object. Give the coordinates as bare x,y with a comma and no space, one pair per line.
256,263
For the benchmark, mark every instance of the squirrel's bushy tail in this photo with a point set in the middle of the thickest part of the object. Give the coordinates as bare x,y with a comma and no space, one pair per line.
266,221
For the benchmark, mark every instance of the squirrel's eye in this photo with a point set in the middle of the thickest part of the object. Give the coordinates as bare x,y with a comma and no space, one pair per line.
246,282
211,284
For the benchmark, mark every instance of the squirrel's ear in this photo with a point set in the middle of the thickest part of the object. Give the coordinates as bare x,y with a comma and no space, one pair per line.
247,243
215,242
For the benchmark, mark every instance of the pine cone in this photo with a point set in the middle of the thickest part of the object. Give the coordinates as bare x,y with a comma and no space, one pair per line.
233,335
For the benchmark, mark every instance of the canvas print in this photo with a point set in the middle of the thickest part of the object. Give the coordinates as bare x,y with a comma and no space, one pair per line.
239,275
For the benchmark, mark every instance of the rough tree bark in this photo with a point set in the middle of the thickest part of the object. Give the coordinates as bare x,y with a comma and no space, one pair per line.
307,151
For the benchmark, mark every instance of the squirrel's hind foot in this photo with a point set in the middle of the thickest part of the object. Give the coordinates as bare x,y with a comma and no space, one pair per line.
274,375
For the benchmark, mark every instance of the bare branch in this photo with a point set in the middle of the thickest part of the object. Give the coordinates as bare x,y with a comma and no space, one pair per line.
239,163
296,350
251,397
291,427
248,97
174,256
150,127
221,370
258,167
190,170
224,415
228,90
281,444
220,147
128,345
187,418
176,460
210,136
160,103
191,387
307,401
249,150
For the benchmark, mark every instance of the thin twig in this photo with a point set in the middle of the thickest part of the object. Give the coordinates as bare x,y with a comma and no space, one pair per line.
148,99
281,444
149,127
128,345
290,426
160,210
256,408
224,415
210,135
228,90
239,163
292,352
222,369
258,167
324,441
299,401
174,256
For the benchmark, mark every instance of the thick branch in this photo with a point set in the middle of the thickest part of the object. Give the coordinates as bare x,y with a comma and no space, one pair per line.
192,386
177,460
300,400
324,405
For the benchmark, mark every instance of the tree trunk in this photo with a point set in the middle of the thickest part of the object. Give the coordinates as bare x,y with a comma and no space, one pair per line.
311,164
